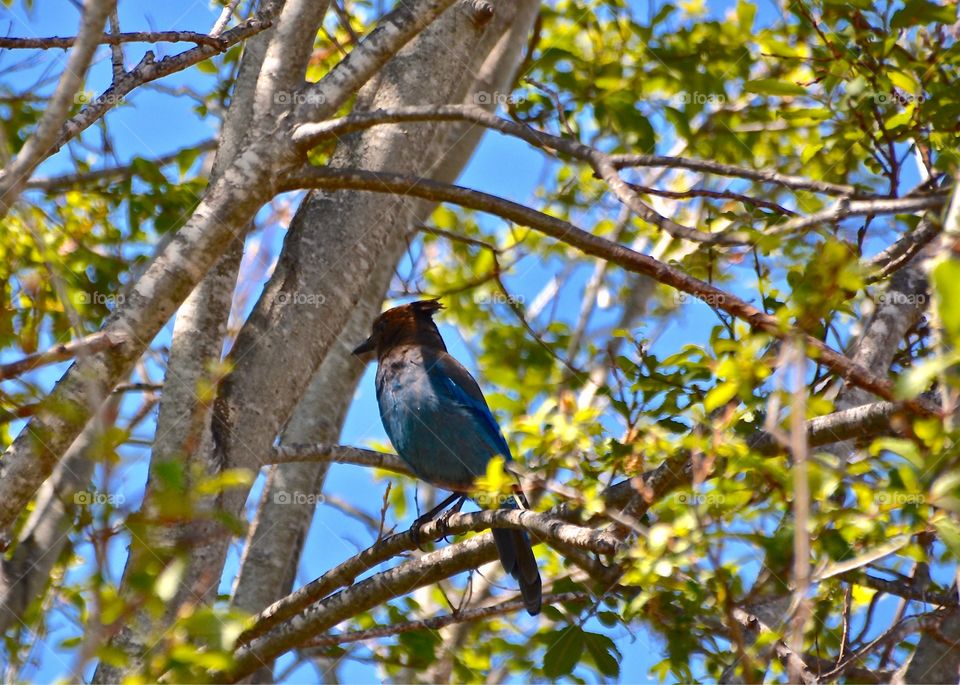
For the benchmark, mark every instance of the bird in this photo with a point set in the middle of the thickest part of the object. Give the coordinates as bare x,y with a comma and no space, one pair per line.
440,425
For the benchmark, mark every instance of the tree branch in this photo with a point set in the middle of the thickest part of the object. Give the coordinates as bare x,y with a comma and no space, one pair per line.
62,352
845,208
293,624
65,181
53,42
439,622
339,454
310,134
41,144
150,70
330,178
606,166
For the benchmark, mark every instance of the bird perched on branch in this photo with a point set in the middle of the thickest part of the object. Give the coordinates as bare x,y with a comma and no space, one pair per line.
440,424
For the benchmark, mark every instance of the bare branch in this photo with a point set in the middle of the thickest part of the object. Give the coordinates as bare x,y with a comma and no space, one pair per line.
92,343
604,165
901,252
339,454
65,181
794,663
908,626
844,208
312,133
224,18
41,144
150,70
114,39
763,175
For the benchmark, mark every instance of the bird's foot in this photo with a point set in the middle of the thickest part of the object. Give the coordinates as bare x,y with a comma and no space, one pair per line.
415,532
444,517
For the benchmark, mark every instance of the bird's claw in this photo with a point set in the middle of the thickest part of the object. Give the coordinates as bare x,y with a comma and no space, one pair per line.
415,531
442,520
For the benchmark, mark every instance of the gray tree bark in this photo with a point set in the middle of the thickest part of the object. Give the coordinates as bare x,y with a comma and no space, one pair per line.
277,534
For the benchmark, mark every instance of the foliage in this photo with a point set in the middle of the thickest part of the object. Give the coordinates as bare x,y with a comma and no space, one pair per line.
851,93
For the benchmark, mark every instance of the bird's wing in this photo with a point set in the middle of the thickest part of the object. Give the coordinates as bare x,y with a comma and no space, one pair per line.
451,379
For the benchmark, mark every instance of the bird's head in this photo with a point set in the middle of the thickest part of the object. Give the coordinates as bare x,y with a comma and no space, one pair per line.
408,324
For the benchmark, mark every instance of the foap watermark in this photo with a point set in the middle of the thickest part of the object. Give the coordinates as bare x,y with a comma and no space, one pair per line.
897,298
485,97
694,97
900,498
85,97
96,297
297,497
87,498
492,500
709,299
697,499
301,299
499,298
895,97
298,97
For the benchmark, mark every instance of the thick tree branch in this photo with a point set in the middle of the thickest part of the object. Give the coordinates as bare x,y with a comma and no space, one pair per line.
606,166
406,20
443,621
305,613
543,526
327,178
227,208
311,134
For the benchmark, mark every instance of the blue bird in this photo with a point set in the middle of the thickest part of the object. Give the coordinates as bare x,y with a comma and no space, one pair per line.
440,424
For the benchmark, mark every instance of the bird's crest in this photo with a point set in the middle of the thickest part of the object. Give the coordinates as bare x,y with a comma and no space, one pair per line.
408,324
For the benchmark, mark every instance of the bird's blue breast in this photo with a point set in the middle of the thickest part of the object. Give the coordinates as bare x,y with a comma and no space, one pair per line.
436,418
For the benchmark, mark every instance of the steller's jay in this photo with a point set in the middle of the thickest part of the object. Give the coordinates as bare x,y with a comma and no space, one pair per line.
440,424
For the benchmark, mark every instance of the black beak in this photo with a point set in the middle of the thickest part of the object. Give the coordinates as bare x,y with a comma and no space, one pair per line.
367,345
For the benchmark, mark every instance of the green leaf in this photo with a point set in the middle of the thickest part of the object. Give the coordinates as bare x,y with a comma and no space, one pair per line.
719,395
916,12
905,82
946,276
604,654
918,378
949,532
564,654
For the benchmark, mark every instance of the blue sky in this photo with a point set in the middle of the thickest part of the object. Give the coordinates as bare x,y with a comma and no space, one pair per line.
154,123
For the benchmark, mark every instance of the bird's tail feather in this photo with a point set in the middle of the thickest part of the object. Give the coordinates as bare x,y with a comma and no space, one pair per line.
516,555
